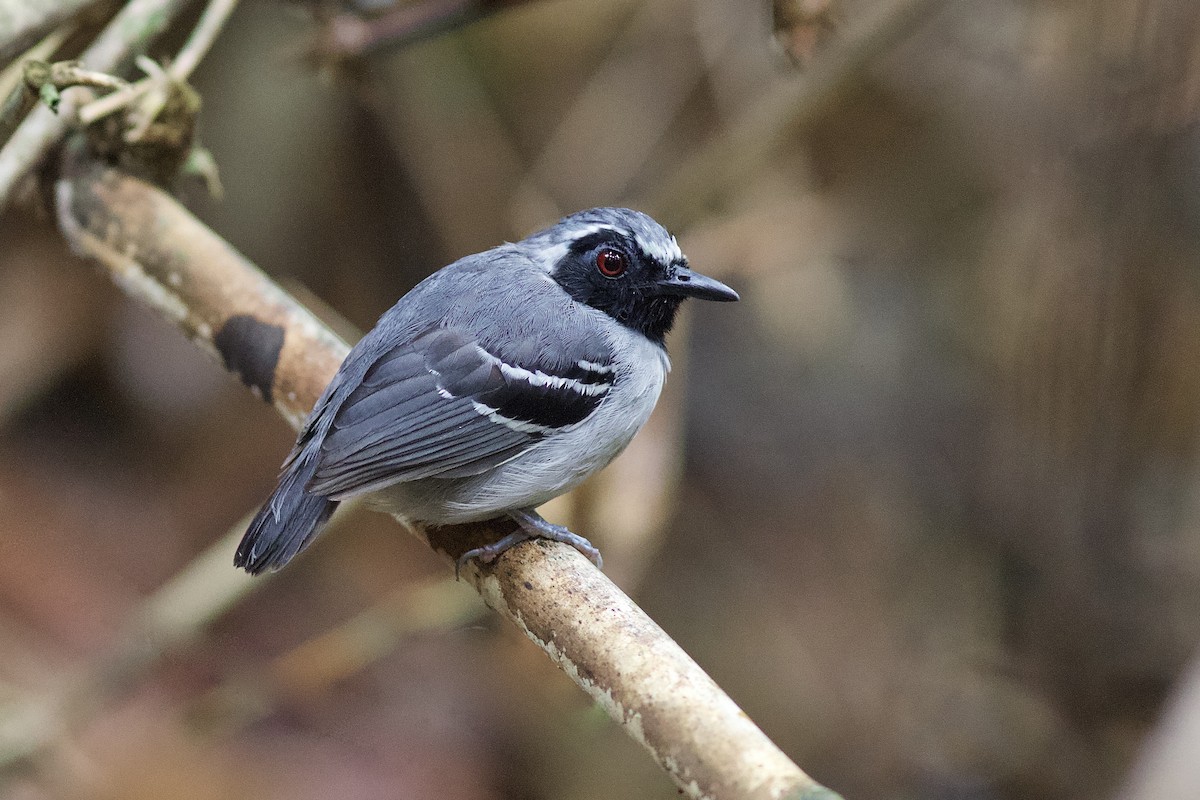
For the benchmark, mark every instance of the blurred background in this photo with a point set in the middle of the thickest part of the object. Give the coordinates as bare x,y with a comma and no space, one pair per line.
926,503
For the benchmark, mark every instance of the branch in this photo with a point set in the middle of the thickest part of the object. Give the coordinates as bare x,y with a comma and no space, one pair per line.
158,252
47,81
212,20
13,87
172,617
314,666
23,22
130,31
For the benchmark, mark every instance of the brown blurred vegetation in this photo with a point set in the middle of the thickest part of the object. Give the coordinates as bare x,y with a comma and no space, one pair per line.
925,503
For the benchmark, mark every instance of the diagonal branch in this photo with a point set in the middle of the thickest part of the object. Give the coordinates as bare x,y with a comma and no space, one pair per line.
23,22
159,253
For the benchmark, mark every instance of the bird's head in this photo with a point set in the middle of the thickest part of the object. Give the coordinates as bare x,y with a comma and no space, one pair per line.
625,264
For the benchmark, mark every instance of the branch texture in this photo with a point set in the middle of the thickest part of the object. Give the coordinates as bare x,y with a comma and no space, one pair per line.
156,251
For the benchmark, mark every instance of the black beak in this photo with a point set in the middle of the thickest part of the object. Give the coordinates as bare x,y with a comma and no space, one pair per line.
686,283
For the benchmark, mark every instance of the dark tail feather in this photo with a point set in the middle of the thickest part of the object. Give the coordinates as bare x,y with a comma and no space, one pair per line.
285,524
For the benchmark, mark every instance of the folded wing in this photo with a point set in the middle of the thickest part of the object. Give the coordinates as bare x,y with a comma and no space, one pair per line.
446,405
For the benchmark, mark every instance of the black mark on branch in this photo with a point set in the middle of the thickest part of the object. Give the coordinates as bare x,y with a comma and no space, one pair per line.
250,348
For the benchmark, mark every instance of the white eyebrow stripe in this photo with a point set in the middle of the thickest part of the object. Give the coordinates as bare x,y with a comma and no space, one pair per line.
548,257
539,378
596,227
662,252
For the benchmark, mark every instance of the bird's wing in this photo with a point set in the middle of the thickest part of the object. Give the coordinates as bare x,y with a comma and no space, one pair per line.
443,404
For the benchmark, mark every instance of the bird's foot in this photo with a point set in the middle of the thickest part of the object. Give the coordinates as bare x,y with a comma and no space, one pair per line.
532,527
490,552
533,524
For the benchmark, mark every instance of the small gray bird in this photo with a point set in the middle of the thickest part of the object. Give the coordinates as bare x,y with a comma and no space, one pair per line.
496,384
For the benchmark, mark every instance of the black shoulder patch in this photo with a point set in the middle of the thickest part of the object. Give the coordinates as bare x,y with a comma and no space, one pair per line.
250,348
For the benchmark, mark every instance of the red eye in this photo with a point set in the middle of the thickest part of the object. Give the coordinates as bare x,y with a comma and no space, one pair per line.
611,263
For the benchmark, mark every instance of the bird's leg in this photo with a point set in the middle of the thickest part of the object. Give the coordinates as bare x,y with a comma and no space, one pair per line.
490,552
532,527
533,524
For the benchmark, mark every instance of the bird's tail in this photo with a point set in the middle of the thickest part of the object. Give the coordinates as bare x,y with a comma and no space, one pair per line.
286,523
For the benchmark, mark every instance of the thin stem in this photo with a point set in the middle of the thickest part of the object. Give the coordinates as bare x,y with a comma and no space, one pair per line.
201,41
110,103
171,617
315,665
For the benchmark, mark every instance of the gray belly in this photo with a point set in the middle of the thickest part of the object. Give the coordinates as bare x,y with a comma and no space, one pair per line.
548,469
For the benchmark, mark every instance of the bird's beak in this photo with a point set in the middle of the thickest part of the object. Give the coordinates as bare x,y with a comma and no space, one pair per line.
686,283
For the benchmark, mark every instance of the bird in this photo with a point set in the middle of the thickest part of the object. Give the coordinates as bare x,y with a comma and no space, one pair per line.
496,384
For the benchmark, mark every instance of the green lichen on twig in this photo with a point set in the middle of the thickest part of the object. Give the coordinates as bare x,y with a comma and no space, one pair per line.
49,80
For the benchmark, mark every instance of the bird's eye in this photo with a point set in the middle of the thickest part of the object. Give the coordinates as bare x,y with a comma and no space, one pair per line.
611,263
